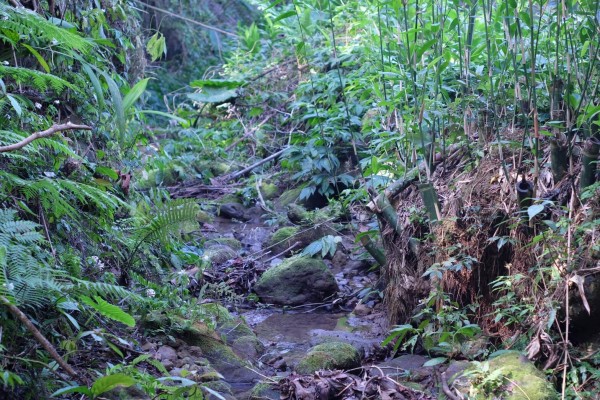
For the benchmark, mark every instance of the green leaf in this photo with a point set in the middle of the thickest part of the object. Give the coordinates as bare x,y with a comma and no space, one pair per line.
534,210
109,382
117,100
285,15
38,56
111,173
435,361
73,389
95,84
15,103
108,310
156,46
134,94
217,83
213,95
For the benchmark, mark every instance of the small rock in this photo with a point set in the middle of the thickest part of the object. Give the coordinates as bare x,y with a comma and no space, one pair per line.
361,310
167,364
149,346
166,353
195,351
182,353
232,211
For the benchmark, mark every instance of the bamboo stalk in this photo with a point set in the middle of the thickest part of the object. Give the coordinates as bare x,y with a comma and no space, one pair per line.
375,252
589,162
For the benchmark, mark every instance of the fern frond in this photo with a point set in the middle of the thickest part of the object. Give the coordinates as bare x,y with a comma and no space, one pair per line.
32,26
35,79
172,217
81,286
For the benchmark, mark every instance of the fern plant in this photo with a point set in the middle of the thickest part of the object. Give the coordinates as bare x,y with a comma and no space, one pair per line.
171,219
26,278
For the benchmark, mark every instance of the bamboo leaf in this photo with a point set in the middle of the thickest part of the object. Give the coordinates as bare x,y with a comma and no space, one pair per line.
109,382
134,94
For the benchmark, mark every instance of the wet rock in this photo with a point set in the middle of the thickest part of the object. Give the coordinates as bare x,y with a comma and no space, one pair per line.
264,391
283,239
331,355
297,214
408,366
232,211
230,242
219,254
248,346
524,381
166,353
295,282
221,387
361,310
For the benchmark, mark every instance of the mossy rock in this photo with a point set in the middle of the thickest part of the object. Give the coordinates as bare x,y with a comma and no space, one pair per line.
227,241
202,216
283,238
298,214
219,254
269,190
248,346
156,177
296,281
229,198
330,355
221,387
262,391
289,196
523,380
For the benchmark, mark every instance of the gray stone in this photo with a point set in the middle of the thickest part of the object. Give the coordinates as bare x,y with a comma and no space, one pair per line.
166,353
232,211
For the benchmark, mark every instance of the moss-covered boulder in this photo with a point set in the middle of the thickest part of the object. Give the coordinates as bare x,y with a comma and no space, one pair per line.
289,196
296,281
268,190
220,253
298,214
518,379
330,355
283,239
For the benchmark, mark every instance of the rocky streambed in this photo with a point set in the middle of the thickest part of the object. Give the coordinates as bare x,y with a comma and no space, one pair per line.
288,326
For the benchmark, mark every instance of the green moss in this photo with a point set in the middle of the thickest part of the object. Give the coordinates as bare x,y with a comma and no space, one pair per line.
218,254
268,190
524,375
289,196
202,216
522,380
216,312
262,391
229,198
331,355
220,387
283,237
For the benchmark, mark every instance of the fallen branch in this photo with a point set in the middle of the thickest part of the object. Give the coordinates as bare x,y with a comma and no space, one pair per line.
18,314
42,134
255,165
